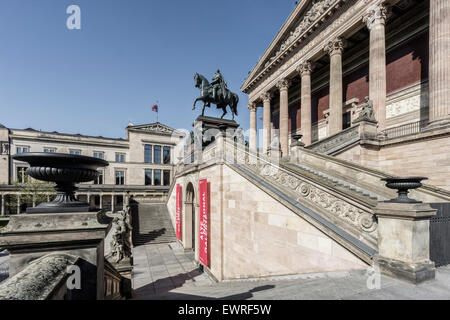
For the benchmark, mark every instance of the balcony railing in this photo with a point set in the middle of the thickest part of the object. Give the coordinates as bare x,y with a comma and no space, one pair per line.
405,130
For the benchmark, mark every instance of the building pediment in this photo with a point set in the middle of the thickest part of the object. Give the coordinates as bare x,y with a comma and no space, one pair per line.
302,21
156,128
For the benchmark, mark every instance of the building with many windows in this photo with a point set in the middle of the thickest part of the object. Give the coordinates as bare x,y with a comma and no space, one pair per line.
140,166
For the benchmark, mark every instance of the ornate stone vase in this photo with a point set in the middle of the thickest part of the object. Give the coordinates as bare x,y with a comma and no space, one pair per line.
402,185
65,170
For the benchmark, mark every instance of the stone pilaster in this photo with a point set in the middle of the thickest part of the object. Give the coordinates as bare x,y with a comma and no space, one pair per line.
283,86
375,20
253,129
305,70
439,62
335,48
267,121
18,203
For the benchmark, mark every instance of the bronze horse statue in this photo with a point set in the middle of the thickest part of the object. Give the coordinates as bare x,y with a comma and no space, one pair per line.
222,100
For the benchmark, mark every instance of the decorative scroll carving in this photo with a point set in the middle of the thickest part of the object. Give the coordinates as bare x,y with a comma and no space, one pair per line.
375,15
305,68
335,46
336,140
38,280
283,84
336,207
252,106
266,96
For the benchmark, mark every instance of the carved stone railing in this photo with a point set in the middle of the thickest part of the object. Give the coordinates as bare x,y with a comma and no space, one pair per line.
43,279
337,141
352,216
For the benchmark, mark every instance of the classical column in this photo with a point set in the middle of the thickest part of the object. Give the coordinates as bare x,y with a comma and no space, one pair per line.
101,201
334,49
305,70
267,121
18,203
34,200
375,20
283,86
253,129
3,204
112,203
439,62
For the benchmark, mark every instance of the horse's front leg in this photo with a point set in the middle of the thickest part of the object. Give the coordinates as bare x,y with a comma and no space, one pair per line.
195,102
203,110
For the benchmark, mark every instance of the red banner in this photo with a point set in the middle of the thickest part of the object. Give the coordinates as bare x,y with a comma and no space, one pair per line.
204,223
178,212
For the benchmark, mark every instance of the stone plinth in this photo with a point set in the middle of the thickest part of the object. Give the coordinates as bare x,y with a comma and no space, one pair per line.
211,126
404,241
32,236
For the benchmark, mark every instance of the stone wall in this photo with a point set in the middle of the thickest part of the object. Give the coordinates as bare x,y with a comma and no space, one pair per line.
253,235
424,154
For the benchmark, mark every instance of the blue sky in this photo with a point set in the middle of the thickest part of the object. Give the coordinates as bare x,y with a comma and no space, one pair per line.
127,55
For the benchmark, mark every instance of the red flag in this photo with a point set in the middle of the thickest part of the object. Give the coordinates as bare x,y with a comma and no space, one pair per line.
155,107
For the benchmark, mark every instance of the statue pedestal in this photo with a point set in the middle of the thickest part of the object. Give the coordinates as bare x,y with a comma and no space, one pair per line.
209,128
29,237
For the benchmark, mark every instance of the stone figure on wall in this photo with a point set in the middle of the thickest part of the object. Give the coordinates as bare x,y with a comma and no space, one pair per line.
121,239
216,93
367,112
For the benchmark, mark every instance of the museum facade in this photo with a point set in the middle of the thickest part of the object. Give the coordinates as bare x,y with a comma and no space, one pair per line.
331,54
140,166
353,92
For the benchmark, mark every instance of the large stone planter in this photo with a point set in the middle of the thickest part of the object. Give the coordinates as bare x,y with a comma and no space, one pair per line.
65,170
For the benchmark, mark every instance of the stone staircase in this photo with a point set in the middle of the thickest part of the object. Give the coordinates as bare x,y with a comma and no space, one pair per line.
334,181
151,224
336,196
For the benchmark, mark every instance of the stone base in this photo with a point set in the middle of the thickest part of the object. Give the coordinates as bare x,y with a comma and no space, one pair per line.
210,127
414,272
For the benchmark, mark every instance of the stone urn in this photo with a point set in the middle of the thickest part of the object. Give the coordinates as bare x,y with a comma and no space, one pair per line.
402,185
65,170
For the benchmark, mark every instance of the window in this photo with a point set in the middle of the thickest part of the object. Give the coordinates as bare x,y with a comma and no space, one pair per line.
157,177
148,153
148,177
120,157
166,155
22,149
50,150
120,177
21,175
99,155
157,154
99,179
346,120
75,152
166,177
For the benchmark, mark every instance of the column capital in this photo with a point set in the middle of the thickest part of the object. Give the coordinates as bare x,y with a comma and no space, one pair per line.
375,15
305,68
335,46
252,106
283,84
266,96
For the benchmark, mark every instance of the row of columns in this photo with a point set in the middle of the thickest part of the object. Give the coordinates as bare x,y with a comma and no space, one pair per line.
375,20
88,200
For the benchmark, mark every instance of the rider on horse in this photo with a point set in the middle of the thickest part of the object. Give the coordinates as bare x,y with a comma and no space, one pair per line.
218,82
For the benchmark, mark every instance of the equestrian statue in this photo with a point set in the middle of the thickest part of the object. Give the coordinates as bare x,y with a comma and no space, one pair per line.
216,93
